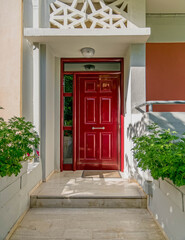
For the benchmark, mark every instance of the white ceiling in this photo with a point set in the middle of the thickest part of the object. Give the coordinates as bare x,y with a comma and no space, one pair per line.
115,46
165,6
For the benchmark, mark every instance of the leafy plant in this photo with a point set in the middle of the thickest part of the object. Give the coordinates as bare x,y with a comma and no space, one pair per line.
68,101
162,152
18,139
68,111
68,83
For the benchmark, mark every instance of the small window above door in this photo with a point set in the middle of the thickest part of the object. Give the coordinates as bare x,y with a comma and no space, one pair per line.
92,66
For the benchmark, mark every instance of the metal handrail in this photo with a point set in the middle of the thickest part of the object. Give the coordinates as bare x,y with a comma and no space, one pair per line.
151,103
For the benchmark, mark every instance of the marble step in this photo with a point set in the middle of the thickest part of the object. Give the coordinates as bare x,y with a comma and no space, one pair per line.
37,201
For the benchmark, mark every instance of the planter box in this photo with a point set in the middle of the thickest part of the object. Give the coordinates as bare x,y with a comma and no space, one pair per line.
148,186
6,181
173,192
24,168
182,188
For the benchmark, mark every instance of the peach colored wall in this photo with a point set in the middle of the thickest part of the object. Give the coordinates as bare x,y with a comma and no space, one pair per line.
11,57
165,74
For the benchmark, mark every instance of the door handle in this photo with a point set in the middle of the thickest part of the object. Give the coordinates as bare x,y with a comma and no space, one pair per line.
93,128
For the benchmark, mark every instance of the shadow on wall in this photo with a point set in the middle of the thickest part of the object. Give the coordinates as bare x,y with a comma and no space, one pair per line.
133,170
136,129
173,120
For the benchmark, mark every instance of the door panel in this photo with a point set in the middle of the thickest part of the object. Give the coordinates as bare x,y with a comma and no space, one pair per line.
90,86
90,146
106,140
105,110
90,108
97,103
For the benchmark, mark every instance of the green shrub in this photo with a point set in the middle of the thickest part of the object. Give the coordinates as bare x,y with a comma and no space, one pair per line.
162,152
17,143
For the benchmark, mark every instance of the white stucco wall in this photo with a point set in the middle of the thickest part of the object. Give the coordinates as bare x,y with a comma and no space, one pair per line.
47,109
138,75
134,94
138,10
127,112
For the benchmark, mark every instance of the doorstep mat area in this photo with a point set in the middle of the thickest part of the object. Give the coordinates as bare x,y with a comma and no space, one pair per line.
101,174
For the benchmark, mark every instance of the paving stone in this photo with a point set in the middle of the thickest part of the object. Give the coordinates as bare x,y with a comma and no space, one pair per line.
85,223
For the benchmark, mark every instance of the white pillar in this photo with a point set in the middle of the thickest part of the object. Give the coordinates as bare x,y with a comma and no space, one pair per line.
36,70
36,87
35,4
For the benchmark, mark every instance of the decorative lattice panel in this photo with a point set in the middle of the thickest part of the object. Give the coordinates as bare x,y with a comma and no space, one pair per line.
89,15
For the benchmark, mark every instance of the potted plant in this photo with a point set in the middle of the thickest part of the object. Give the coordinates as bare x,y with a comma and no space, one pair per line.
162,152
18,139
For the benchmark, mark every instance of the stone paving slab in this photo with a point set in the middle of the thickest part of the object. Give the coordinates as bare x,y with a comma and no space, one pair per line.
87,224
71,184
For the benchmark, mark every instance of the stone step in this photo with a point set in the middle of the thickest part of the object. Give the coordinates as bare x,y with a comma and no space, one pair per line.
88,202
70,190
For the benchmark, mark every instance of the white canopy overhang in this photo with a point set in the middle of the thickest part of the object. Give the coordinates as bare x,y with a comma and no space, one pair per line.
68,42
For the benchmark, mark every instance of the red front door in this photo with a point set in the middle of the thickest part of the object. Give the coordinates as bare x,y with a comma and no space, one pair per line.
97,123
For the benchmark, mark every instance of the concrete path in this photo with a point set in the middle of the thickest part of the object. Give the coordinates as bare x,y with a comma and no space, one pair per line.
86,224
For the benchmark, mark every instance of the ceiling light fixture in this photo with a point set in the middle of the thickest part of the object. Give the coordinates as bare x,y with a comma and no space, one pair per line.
87,52
89,67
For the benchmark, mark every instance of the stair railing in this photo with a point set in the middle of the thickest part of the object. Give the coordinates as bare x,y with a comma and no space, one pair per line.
151,103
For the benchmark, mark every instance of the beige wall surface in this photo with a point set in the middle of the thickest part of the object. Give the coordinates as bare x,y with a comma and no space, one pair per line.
11,57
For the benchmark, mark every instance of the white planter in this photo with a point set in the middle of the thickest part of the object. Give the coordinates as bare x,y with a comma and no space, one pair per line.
5,181
182,188
24,168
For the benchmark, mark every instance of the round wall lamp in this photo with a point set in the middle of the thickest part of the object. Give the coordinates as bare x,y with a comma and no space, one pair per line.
87,52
